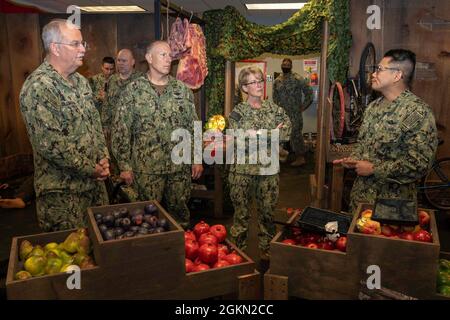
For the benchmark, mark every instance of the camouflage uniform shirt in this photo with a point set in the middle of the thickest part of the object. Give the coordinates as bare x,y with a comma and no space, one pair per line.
97,84
116,86
400,139
268,117
64,129
143,124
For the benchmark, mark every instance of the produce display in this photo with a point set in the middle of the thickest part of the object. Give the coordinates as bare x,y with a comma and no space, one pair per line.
420,232
443,280
123,223
205,248
55,257
314,240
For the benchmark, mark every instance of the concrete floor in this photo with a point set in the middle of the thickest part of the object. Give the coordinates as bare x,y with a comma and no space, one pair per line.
294,193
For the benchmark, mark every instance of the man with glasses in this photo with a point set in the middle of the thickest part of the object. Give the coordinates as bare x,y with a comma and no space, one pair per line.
397,140
99,82
70,154
150,109
294,95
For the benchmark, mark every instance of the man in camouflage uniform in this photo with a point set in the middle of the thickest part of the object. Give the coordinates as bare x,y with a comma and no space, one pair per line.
248,181
70,154
397,140
98,82
150,109
292,92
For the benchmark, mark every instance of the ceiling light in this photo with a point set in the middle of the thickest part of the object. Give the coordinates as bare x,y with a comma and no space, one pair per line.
275,6
99,9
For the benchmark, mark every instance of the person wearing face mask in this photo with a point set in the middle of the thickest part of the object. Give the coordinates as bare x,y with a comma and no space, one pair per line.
149,111
294,95
98,82
397,140
71,160
254,179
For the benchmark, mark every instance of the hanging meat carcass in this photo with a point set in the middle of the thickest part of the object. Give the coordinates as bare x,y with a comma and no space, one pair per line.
178,37
193,68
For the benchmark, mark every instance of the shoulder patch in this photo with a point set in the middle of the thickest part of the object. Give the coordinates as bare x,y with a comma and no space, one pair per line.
235,116
411,120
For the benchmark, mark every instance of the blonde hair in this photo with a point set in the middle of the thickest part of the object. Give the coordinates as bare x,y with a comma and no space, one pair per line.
243,75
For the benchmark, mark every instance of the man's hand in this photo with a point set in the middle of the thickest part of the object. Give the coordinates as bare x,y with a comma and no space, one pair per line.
348,163
127,176
101,173
364,168
101,95
197,170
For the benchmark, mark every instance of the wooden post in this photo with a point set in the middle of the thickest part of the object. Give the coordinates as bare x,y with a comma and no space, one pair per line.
229,87
157,6
337,186
323,121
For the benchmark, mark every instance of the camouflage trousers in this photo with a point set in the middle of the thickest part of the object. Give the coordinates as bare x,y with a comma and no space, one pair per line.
243,188
296,141
174,189
65,210
368,189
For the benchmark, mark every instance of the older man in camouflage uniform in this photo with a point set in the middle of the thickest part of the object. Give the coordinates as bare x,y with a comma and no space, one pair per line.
292,92
70,154
98,82
247,180
150,109
397,140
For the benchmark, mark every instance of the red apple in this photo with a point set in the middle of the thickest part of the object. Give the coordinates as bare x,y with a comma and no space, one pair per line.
328,245
341,244
387,231
407,236
289,241
423,236
424,218
312,246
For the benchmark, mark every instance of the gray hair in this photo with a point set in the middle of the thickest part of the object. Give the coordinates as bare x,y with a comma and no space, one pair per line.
52,31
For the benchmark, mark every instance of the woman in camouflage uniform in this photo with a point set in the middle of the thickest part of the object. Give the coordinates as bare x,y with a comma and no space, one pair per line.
252,180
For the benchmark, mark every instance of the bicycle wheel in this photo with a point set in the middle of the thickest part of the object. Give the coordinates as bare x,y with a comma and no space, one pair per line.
436,185
368,60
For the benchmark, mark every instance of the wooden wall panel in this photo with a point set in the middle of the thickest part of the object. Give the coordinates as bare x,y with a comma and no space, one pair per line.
7,110
135,32
400,29
23,39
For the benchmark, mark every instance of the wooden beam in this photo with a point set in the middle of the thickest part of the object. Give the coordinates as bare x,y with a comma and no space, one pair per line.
229,87
322,121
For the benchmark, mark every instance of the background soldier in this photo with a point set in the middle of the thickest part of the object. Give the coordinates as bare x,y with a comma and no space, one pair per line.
70,154
397,140
248,180
294,95
98,82
150,109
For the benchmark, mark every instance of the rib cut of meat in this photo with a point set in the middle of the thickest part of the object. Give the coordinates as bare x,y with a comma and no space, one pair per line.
193,67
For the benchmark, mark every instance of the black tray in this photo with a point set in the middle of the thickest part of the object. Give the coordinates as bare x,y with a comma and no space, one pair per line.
396,211
315,219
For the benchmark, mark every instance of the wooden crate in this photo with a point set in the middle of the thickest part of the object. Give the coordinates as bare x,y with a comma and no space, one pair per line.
48,286
443,255
310,273
408,267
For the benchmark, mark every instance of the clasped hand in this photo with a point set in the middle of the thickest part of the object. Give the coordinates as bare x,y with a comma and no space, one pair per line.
362,167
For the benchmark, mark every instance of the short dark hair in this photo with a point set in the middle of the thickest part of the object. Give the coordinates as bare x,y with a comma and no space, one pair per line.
406,61
109,60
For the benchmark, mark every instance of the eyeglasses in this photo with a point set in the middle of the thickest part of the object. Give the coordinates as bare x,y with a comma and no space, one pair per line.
380,68
75,44
254,82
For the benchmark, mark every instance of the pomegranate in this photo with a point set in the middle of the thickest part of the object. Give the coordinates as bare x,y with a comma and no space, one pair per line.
208,253
200,228
191,249
221,263
189,235
207,238
234,258
201,267
219,232
189,265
